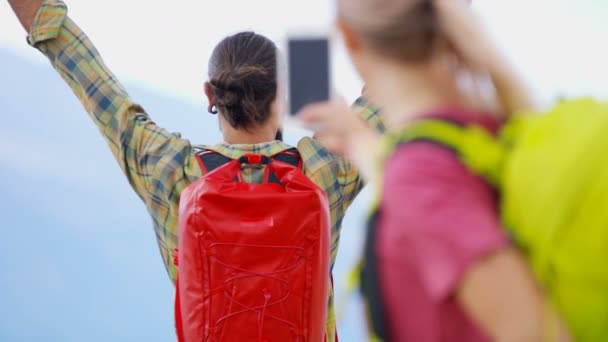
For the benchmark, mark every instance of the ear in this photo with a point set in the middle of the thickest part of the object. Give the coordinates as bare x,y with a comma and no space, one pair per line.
351,40
210,98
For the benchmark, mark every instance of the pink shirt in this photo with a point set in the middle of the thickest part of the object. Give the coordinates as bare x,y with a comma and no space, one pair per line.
436,220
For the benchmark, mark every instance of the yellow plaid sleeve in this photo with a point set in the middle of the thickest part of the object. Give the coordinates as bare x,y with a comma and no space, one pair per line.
153,159
369,112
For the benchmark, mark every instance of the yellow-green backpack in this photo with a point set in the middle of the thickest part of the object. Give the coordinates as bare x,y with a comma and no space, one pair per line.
552,174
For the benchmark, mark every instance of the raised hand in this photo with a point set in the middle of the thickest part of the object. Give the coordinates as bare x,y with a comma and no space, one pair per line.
343,132
26,11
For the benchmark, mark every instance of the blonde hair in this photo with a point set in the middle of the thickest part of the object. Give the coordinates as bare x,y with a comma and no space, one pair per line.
403,29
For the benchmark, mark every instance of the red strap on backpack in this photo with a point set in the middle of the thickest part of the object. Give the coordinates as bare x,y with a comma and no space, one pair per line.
179,328
178,315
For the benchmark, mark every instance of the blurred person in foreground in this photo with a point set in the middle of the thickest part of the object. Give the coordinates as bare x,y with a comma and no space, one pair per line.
242,90
438,265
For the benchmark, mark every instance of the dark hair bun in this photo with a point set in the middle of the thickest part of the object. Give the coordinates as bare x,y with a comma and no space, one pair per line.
242,73
225,97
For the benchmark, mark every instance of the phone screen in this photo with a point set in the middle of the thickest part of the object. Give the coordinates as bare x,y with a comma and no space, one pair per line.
308,65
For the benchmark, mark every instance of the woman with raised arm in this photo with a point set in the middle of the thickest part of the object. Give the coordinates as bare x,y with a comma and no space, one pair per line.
438,266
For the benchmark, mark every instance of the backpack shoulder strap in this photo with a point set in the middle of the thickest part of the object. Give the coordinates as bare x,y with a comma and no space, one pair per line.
290,156
210,160
476,148
369,284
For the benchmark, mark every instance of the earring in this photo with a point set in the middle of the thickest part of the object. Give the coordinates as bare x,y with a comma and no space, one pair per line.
212,109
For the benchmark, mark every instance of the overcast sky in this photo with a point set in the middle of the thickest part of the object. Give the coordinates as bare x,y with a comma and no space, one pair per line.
559,44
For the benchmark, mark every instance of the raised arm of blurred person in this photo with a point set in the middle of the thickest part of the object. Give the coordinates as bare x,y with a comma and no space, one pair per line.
347,131
150,157
466,34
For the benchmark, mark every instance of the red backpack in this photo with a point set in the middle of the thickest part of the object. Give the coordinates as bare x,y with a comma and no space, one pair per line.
253,258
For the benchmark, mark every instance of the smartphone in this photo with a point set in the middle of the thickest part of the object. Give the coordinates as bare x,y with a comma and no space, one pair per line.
308,71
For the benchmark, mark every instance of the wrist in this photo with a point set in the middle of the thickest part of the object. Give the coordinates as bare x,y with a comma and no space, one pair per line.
357,129
498,66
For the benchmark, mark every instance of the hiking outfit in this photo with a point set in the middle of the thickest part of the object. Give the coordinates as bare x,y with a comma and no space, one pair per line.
160,164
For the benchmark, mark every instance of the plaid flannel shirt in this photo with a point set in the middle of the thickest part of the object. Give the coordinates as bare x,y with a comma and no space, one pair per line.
160,164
